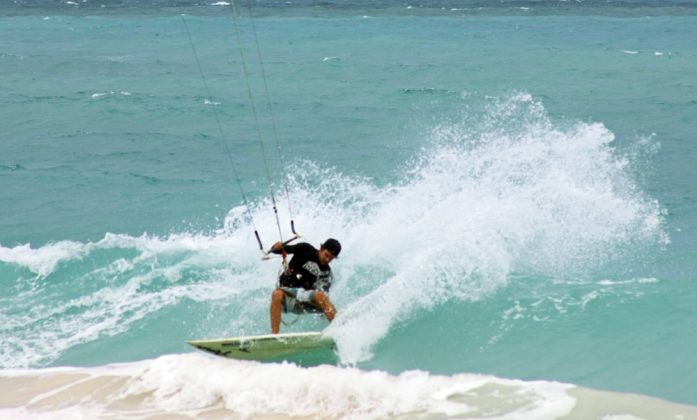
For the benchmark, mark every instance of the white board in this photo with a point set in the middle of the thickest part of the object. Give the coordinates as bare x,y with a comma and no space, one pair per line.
267,347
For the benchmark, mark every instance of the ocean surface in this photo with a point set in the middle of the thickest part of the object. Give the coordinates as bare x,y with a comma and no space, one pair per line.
513,183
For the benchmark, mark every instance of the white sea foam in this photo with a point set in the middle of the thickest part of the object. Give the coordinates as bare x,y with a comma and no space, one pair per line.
539,198
44,260
512,192
128,290
649,280
200,386
630,52
194,384
110,93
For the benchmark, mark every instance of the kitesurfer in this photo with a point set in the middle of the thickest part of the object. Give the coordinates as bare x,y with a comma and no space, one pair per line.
304,285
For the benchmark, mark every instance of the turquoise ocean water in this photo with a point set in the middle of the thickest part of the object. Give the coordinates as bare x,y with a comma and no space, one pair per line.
514,187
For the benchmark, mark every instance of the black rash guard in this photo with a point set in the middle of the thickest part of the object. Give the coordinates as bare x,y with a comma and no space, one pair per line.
304,269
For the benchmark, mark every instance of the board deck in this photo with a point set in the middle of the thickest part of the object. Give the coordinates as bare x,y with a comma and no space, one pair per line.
267,347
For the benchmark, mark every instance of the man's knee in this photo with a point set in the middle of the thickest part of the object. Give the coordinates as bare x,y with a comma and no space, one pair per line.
277,296
320,296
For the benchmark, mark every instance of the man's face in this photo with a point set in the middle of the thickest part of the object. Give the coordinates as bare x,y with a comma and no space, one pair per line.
324,256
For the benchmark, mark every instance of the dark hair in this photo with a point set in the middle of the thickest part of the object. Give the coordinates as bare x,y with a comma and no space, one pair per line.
333,246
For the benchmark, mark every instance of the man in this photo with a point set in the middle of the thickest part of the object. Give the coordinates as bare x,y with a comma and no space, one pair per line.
303,287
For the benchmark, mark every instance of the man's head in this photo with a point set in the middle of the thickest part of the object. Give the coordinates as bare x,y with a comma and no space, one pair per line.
329,250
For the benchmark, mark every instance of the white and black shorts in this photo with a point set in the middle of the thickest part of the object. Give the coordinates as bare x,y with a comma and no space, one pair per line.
299,301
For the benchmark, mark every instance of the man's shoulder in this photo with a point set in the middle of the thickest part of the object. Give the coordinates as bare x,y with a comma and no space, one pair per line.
304,247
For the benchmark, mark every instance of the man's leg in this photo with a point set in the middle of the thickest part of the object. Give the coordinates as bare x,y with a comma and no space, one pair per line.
322,300
276,306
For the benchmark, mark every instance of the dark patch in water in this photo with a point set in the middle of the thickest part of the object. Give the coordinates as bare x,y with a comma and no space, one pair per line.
12,167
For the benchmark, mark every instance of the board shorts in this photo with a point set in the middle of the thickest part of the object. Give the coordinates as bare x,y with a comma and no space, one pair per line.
299,301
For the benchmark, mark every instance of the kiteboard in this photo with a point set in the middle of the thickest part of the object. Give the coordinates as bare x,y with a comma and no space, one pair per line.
267,347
